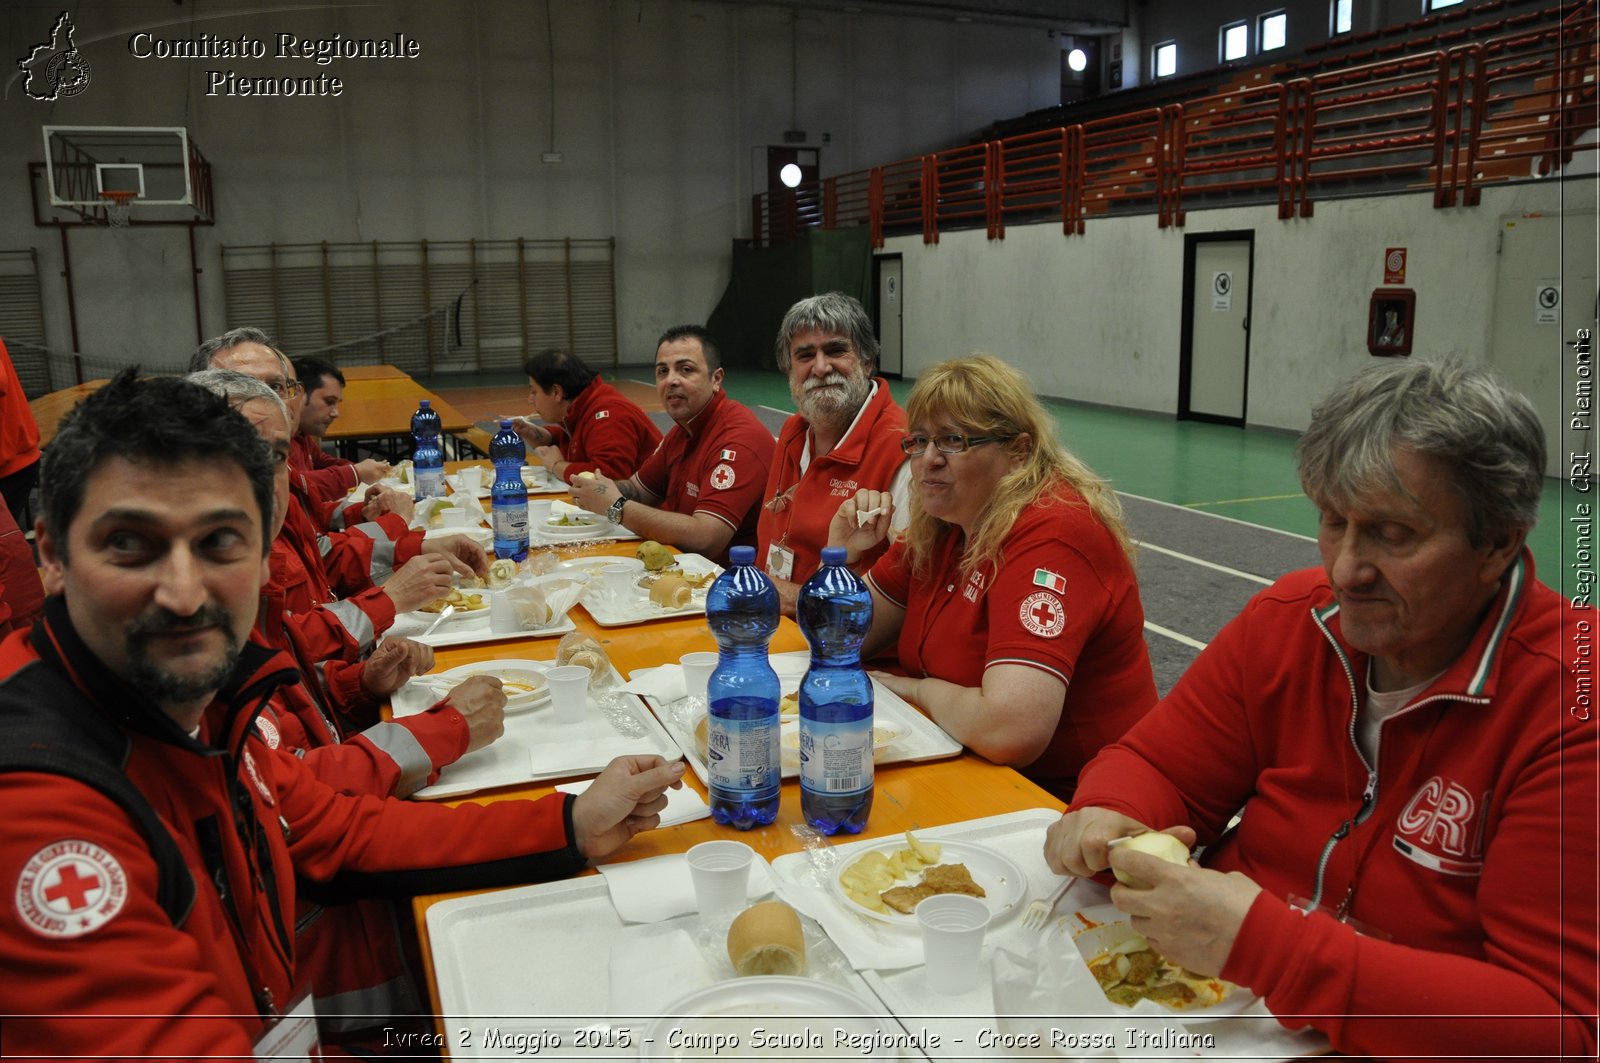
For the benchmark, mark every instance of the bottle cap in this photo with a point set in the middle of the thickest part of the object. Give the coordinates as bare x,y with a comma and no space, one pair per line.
425,404
742,555
834,555
505,426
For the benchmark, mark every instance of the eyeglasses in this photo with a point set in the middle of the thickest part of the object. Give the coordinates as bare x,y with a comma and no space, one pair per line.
951,443
287,389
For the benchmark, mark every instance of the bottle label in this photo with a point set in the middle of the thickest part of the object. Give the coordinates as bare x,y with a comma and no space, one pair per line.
742,754
836,758
430,482
511,522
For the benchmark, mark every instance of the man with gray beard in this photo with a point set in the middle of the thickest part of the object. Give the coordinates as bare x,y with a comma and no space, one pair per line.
844,439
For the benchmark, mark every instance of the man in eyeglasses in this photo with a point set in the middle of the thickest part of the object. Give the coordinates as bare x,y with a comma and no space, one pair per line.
844,438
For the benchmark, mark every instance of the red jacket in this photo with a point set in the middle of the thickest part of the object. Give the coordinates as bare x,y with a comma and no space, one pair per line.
21,593
19,434
604,432
331,628
81,936
1471,844
322,476
798,508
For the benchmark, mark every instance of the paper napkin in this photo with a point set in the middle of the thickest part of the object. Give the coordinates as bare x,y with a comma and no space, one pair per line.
648,891
683,804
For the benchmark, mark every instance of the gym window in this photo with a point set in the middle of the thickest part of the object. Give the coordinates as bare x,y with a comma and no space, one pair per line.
1234,41
1339,21
1272,30
1164,59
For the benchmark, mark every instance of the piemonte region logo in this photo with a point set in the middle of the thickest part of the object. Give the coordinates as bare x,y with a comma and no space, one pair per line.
55,69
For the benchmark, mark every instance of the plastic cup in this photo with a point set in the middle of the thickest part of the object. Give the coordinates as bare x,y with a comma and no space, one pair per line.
453,517
503,618
539,512
618,582
569,692
721,873
470,478
697,669
952,940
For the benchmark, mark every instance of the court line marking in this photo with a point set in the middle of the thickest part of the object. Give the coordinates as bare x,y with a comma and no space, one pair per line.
1235,501
1174,636
1203,563
1217,516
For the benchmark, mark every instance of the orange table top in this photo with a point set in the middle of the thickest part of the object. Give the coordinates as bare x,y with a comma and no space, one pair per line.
49,409
372,372
383,407
908,796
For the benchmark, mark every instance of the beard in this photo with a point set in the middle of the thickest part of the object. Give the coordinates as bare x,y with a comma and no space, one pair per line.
158,679
846,392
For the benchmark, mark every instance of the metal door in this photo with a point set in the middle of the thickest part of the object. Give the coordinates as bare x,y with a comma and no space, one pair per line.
890,274
1545,291
1214,364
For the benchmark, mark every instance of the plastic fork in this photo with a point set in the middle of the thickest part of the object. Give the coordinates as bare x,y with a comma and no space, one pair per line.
1038,911
444,614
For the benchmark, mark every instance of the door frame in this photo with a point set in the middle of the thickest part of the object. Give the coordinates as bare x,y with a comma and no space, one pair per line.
1191,241
877,309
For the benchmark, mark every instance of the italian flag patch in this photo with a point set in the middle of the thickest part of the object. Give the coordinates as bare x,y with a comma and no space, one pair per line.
1043,577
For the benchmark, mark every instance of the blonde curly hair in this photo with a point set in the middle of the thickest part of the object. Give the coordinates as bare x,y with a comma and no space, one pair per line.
987,397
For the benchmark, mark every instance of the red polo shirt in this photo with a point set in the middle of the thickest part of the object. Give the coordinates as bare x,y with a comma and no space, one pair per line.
717,465
1064,600
798,509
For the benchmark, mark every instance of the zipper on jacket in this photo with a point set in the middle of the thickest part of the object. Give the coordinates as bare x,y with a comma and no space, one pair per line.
1368,797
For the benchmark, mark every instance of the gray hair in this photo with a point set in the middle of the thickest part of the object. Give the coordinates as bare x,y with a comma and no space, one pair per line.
1486,433
201,359
831,312
238,388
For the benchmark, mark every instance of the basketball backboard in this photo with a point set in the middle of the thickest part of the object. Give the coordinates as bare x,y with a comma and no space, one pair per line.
169,179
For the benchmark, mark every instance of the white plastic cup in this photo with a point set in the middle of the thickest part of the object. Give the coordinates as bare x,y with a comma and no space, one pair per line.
569,692
453,517
618,583
697,669
539,512
470,478
953,926
503,618
721,873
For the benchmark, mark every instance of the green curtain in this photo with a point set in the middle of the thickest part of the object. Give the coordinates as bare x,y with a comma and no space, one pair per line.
767,281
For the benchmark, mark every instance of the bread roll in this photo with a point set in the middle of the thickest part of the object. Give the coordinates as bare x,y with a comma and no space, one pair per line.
766,939
671,592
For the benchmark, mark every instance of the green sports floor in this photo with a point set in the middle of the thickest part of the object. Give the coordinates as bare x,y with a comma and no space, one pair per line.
1246,475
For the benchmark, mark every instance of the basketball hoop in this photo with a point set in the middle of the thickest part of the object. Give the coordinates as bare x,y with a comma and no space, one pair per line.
117,207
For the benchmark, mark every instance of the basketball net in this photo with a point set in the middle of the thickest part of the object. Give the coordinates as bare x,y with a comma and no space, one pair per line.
117,208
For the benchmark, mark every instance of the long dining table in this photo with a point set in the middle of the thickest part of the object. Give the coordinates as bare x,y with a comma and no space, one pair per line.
908,796
377,409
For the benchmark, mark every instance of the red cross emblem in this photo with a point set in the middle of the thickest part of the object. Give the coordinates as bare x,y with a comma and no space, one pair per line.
69,888
722,477
1043,614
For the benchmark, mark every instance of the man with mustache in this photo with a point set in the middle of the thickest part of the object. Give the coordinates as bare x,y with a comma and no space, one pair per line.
156,503
701,489
845,438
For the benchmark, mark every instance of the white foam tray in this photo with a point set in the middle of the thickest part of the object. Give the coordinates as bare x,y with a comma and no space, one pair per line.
639,609
534,960
917,737
535,748
462,632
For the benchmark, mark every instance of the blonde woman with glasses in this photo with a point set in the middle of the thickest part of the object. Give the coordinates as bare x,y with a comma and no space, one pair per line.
1012,599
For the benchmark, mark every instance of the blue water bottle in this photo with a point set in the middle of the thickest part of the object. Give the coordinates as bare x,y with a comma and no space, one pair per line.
509,495
427,460
835,611
742,724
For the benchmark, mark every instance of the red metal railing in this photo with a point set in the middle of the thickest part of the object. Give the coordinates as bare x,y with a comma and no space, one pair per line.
1515,105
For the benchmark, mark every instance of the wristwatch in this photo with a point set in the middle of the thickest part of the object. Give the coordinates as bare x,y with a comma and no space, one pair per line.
614,514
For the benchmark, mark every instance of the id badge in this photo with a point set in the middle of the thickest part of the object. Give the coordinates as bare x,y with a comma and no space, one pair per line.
780,562
1304,906
293,1037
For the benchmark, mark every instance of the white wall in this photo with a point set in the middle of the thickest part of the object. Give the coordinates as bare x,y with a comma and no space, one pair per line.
658,107
1098,318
